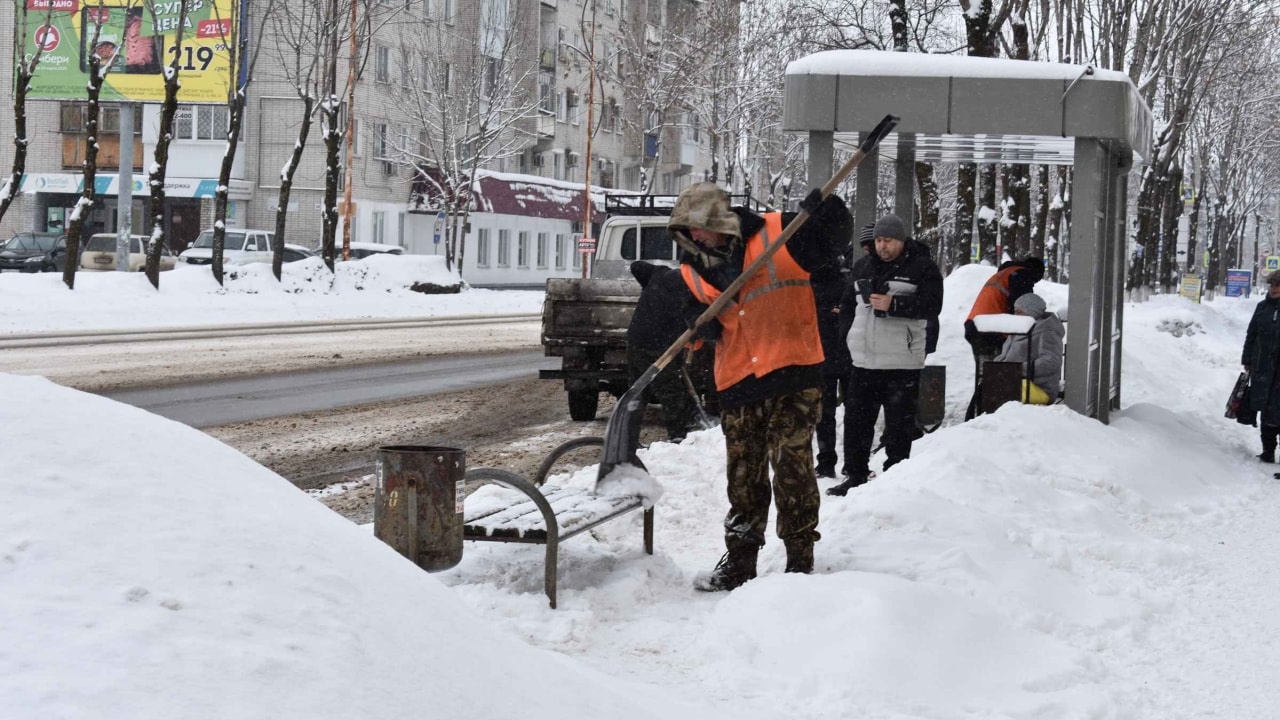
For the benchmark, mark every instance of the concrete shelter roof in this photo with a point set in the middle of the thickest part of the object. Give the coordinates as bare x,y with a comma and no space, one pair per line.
960,108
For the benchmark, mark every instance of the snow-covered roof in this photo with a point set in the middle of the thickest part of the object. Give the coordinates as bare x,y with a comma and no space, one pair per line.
967,108
899,64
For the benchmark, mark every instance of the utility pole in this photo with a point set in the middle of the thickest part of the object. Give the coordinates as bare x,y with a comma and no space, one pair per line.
591,107
124,195
351,124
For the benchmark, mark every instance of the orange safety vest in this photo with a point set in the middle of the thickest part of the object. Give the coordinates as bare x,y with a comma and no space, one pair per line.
774,322
993,299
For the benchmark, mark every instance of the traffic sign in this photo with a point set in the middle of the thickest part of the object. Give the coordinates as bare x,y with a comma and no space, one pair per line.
1273,262
586,245
439,228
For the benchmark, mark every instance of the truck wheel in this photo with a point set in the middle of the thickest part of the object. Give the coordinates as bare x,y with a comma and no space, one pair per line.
583,403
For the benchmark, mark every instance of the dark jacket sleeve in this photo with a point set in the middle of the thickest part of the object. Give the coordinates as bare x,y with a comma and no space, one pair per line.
1250,341
826,236
927,300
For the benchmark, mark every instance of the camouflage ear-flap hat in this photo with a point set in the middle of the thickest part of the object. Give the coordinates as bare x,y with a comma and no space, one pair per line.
703,205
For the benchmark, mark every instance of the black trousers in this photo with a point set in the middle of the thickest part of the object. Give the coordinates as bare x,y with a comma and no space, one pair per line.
1270,435
832,385
898,392
986,346
678,412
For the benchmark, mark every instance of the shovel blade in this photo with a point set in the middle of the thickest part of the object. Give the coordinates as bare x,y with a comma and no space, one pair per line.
622,434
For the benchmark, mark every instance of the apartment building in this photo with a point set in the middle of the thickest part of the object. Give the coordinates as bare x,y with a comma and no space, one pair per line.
549,152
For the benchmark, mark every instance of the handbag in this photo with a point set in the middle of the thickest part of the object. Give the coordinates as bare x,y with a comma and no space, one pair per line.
1238,404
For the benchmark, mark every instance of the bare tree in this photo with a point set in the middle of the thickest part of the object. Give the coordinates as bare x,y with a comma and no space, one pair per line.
88,195
238,44
473,102
24,69
168,109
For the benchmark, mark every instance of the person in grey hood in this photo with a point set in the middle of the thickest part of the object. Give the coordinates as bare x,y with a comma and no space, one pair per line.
892,294
1040,350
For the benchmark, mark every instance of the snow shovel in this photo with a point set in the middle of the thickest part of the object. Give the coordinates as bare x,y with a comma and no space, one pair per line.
620,434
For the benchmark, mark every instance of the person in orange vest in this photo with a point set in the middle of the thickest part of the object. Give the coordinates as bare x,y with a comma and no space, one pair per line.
1011,281
768,364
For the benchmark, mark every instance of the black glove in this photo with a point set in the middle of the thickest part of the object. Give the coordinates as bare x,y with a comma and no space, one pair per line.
709,331
812,201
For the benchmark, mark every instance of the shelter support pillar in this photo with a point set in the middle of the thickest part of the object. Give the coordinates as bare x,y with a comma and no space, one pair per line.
864,208
905,180
821,153
1097,270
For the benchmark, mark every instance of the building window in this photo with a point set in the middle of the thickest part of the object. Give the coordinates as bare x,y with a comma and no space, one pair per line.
562,242
379,227
562,106
401,230
577,254
201,122
542,250
448,76
450,7
522,250
426,8
356,147
490,76
504,248
379,141
382,63
482,248
406,70
557,160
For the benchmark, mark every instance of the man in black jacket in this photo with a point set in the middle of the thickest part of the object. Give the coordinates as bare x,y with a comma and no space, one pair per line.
892,295
828,288
657,322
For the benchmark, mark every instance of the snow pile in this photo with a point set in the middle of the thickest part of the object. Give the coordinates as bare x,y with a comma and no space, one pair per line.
375,287
1029,564
160,574
375,273
627,480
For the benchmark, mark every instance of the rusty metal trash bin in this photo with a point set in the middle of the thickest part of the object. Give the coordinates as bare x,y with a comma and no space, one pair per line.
417,506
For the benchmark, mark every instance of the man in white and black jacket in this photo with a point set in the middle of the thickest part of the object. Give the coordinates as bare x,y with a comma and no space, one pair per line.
893,294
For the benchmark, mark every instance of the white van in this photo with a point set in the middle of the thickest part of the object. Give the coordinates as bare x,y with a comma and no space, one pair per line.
241,248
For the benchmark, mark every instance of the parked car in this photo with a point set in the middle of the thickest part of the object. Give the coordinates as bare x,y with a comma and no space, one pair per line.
363,250
100,253
34,252
294,253
240,247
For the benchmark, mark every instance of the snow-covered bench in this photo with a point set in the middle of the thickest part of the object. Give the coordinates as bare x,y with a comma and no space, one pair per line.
549,518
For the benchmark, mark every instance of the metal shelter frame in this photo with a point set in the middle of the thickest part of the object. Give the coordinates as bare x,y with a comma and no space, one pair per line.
985,110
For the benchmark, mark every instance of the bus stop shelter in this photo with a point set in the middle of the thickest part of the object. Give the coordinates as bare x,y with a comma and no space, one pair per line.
986,110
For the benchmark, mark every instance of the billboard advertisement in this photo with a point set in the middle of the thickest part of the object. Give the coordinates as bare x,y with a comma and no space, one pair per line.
139,45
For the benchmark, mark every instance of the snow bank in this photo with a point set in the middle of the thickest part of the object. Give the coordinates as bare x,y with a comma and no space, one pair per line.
376,287
148,571
1032,563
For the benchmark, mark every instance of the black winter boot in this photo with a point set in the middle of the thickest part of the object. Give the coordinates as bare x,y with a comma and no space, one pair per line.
850,482
735,568
1270,434
799,557
825,469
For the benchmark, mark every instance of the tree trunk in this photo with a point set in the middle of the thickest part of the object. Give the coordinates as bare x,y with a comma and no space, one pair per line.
927,230
1068,182
333,170
962,246
88,195
160,165
286,185
13,183
1041,215
1053,241
1171,203
988,216
236,110
898,24
1195,263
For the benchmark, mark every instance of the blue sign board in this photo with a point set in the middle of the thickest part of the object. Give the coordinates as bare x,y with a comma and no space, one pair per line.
439,227
1239,283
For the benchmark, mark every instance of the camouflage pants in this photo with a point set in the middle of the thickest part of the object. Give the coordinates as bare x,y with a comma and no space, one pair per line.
777,432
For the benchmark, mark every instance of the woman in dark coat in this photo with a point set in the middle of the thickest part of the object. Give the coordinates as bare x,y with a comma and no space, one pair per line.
1261,349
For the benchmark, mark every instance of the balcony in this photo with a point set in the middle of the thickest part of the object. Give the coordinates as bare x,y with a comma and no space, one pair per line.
545,126
547,59
73,146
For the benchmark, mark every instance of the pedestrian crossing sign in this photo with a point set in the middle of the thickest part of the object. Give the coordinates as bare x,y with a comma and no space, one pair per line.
1273,262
